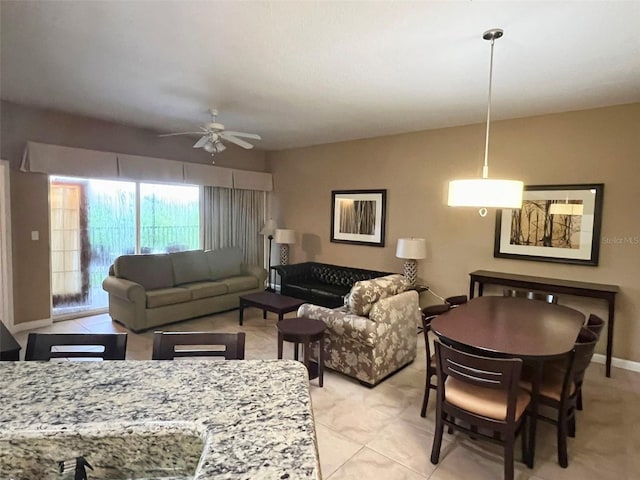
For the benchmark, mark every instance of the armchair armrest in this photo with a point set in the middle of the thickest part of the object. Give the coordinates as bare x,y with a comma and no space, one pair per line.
124,289
343,323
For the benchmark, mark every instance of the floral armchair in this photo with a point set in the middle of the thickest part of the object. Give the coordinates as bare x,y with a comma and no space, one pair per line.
374,334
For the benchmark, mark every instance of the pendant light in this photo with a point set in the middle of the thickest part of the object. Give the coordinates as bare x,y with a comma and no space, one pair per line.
485,192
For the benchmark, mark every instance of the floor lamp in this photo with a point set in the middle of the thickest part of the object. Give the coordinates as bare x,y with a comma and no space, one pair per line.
268,230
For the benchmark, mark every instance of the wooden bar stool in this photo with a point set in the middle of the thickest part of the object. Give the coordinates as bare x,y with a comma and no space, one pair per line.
303,331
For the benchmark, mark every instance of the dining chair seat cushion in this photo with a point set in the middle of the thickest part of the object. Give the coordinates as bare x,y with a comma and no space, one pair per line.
551,385
486,402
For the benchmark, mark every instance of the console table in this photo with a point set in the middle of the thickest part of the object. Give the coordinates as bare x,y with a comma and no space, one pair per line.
553,285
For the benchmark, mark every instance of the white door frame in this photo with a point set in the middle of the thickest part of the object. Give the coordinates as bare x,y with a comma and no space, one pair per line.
6,270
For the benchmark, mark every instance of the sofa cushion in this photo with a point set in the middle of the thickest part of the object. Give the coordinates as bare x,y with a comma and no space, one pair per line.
189,266
167,296
150,271
205,289
367,292
224,262
240,283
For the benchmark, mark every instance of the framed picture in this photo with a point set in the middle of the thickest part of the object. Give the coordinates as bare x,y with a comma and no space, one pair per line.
557,223
357,216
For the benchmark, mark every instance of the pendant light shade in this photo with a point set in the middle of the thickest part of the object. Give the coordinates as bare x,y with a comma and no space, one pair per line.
485,192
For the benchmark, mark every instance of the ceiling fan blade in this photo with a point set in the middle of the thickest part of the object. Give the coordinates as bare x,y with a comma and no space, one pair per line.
200,143
237,141
180,133
255,136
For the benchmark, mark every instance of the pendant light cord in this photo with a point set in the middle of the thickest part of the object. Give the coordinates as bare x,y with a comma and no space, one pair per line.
485,168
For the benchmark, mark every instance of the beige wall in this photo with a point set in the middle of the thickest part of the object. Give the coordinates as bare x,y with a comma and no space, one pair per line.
29,191
592,146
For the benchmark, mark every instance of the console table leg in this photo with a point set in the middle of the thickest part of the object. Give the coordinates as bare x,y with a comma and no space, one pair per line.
610,336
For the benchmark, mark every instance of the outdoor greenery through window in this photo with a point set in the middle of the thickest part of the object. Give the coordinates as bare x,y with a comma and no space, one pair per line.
101,221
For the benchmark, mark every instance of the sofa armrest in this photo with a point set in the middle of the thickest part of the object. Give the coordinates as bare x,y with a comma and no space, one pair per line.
124,289
287,272
342,323
255,270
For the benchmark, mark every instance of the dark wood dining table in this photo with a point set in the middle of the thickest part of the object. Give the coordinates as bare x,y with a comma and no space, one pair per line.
533,330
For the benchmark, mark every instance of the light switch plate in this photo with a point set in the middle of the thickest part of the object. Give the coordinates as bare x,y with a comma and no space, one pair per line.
35,235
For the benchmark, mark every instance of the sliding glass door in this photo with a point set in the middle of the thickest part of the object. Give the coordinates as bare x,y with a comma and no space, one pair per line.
92,222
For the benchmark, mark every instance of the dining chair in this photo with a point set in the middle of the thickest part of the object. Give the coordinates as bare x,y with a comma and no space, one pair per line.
545,297
456,300
475,393
166,345
560,387
428,314
45,346
595,324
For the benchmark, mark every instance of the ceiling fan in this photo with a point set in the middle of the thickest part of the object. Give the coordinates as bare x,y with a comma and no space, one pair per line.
213,133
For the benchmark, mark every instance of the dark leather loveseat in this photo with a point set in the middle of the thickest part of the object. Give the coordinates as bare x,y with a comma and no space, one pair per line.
321,283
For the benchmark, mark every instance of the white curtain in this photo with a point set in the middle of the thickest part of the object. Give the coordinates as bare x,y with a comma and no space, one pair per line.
233,218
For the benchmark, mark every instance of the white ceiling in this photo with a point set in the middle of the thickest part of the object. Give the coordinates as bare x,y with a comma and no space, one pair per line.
305,73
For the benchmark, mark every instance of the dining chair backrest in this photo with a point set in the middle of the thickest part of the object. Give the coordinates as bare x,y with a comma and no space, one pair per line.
166,345
545,297
595,324
486,372
428,314
584,349
456,300
108,346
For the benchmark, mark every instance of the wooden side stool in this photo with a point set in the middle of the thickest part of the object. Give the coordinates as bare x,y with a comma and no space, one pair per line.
305,331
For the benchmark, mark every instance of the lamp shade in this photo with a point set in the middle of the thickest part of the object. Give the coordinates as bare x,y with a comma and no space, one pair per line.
413,248
285,236
485,192
269,227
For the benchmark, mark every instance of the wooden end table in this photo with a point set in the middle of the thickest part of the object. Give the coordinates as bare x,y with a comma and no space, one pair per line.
269,302
305,331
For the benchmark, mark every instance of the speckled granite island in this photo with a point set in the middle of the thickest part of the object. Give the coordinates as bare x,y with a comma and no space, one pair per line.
233,419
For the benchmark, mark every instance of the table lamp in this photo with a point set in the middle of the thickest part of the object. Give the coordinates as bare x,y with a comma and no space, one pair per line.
411,249
285,238
268,230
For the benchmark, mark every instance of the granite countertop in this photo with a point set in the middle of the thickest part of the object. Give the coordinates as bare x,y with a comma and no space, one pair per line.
248,419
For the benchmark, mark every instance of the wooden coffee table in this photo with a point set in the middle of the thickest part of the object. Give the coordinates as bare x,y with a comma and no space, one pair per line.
269,302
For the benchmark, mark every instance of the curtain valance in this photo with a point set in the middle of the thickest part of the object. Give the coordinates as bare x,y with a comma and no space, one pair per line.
81,162
73,162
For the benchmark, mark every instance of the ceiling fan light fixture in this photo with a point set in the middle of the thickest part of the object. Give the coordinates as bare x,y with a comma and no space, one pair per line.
485,192
210,147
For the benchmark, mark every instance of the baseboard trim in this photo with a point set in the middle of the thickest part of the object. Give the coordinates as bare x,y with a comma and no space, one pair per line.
19,327
618,362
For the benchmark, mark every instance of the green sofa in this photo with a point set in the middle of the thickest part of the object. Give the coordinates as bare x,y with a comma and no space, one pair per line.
147,291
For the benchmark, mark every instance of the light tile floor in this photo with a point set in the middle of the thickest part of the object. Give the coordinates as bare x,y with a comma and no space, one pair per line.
378,433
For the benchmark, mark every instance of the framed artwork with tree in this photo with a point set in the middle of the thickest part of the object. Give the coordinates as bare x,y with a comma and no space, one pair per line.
358,217
557,223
